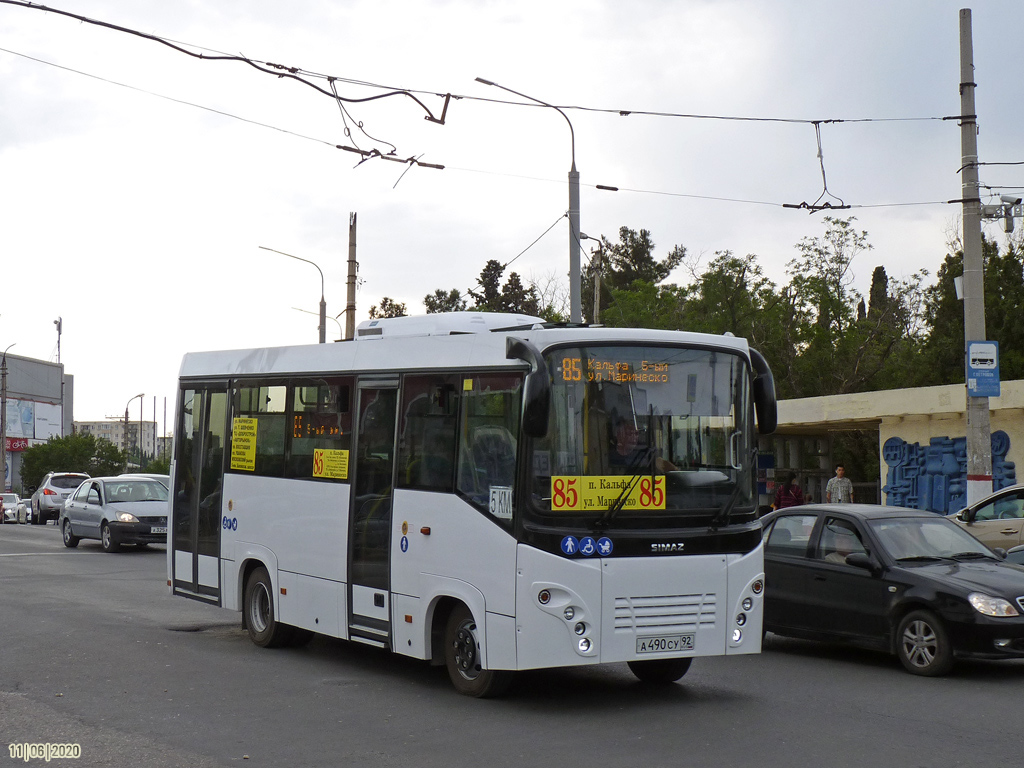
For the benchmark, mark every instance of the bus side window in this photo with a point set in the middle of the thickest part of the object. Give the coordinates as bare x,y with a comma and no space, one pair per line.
321,419
426,451
489,426
266,405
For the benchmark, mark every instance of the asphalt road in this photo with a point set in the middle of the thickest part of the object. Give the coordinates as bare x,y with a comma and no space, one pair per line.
96,653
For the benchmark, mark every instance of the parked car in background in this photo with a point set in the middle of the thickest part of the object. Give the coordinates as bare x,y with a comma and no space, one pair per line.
116,510
997,519
48,499
165,479
24,511
904,581
9,507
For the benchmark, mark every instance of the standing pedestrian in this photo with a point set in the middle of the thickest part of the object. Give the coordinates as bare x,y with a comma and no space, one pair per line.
789,494
840,488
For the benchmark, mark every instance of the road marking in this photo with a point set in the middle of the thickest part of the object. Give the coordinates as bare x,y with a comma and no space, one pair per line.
33,554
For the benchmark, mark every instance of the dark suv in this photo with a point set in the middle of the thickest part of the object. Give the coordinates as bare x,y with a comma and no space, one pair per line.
48,500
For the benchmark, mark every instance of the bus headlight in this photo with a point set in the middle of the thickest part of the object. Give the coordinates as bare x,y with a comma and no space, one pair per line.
737,635
580,628
747,603
584,645
569,613
741,619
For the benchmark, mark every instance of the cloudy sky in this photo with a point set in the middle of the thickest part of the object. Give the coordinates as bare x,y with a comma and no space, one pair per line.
138,184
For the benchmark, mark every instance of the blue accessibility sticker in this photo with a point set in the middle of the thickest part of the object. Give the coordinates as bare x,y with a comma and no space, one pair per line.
570,546
604,546
405,544
588,546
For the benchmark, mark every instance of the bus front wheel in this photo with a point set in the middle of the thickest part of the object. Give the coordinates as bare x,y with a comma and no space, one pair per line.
659,671
258,607
462,658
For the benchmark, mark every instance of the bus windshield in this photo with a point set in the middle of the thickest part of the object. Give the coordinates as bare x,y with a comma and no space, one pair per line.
644,432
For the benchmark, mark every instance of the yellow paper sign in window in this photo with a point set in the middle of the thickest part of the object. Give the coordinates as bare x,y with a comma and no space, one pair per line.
602,492
243,444
330,463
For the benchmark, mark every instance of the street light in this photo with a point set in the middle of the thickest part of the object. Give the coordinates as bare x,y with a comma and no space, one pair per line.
3,415
323,304
126,445
575,304
332,319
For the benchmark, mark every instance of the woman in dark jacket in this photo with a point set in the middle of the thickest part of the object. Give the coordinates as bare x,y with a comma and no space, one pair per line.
789,493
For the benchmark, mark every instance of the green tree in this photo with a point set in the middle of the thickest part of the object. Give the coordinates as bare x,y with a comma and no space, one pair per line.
388,308
444,301
513,296
621,265
78,452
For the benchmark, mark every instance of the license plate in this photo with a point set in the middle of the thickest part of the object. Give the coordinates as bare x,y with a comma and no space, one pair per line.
158,529
664,643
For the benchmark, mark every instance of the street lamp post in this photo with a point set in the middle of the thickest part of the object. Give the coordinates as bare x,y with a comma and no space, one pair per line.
575,303
3,416
127,446
323,304
332,319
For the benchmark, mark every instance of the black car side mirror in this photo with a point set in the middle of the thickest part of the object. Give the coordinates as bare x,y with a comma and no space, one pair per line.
1000,551
862,560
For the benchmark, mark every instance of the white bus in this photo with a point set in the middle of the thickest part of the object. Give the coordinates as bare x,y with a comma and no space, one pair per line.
487,492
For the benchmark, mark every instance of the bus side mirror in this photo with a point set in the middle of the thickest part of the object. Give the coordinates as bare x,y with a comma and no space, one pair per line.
765,405
536,387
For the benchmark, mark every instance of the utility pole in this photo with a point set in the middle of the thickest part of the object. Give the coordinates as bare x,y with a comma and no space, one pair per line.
3,419
353,266
979,428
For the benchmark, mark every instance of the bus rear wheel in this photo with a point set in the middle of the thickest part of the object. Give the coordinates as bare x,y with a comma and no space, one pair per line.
462,658
258,609
659,671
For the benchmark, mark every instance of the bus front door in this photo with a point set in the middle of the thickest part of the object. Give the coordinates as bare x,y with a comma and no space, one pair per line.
196,492
370,515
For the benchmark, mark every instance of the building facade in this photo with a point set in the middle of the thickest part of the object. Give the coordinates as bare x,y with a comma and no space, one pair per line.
115,430
38,402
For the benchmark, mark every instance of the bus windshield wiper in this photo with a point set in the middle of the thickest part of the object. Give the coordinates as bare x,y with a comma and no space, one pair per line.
620,501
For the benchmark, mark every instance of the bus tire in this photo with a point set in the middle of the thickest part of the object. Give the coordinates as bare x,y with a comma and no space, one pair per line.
462,658
258,607
659,671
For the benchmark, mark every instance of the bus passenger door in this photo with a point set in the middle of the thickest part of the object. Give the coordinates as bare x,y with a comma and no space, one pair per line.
370,514
196,492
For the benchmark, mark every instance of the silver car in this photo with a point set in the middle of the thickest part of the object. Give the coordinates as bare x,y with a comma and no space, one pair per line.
116,510
9,507
49,497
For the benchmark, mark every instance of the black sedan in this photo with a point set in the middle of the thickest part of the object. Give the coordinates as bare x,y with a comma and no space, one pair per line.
900,580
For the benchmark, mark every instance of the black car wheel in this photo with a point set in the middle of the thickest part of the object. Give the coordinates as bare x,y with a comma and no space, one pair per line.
659,671
107,540
462,658
70,540
923,645
258,612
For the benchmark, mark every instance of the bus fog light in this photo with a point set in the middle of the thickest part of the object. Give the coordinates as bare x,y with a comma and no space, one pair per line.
737,635
580,628
584,645
757,587
747,603
741,619
544,597
569,613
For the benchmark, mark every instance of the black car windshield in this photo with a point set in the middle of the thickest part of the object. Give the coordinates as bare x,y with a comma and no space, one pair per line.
644,431
136,490
925,538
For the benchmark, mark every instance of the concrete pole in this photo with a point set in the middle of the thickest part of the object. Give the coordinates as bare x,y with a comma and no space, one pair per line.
575,282
353,266
3,421
979,429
